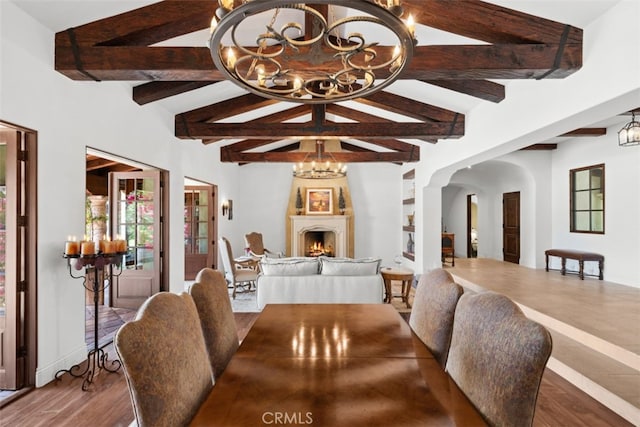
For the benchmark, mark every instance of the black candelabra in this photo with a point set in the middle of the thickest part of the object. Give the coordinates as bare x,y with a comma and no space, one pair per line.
97,358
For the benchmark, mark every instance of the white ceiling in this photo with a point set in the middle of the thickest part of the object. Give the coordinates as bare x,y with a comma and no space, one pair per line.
59,15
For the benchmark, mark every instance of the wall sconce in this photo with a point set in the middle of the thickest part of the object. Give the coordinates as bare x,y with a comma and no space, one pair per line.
227,209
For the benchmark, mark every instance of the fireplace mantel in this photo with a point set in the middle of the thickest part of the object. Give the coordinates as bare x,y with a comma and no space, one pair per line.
339,224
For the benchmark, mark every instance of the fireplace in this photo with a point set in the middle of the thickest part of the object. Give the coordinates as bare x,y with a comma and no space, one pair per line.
320,235
319,243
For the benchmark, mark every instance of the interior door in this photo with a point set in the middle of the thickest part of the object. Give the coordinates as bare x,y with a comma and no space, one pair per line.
135,206
511,227
199,229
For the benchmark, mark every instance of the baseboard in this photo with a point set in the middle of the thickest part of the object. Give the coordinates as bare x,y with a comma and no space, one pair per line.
46,374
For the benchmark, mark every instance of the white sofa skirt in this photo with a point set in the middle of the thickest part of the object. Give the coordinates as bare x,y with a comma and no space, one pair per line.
319,289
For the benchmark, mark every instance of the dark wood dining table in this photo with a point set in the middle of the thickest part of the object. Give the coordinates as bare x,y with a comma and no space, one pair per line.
334,365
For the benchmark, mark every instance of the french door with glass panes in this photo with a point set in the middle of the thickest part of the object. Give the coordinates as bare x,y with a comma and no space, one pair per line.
199,230
135,206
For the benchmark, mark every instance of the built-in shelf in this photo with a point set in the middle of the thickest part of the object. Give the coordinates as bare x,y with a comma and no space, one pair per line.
408,188
408,255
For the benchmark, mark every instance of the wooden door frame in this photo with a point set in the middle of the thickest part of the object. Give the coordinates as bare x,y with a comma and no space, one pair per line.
27,233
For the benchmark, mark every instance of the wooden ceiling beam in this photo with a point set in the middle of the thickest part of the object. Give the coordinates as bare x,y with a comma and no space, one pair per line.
540,147
448,62
227,108
143,26
155,91
489,22
284,115
482,89
365,131
586,132
227,155
351,114
408,107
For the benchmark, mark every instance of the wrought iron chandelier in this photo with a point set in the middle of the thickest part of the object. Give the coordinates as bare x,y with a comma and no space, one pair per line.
630,134
313,59
323,166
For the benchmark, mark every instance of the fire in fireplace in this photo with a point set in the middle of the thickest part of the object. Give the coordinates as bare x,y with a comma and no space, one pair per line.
319,243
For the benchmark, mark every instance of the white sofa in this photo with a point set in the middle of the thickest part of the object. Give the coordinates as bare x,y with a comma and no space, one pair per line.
320,280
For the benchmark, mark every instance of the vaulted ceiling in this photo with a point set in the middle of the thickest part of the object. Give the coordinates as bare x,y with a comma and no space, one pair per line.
505,45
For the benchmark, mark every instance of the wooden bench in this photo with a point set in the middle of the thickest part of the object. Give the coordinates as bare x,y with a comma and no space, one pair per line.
579,256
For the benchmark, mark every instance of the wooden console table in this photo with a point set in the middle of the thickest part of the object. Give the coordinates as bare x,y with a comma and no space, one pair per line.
579,256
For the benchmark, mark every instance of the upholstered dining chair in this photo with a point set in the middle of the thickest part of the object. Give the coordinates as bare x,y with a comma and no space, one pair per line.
497,357
237,274
209,292
434,306
165,360
256,246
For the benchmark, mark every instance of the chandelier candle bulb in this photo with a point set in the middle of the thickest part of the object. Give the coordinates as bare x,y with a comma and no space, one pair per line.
411,25
231,58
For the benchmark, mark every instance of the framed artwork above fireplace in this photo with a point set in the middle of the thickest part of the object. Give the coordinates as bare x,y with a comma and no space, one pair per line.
319,201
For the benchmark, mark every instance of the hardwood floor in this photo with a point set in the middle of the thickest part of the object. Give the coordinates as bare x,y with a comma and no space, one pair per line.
63,403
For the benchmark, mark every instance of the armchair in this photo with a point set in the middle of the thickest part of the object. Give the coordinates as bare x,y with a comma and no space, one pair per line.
256,246
237,274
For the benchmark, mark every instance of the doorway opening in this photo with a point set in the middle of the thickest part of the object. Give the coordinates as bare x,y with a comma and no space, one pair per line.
472,226
200,227
125,200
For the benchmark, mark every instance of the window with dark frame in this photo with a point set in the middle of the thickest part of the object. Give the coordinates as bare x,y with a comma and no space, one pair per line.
587,199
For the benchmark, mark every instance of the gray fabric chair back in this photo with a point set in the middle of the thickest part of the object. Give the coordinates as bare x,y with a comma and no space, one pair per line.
211,296
165,361
434,306
497,357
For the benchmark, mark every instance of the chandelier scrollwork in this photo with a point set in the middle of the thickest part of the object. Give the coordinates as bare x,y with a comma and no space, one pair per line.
328,63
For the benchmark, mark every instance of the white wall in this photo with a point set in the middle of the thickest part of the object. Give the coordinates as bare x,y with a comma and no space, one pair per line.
620,244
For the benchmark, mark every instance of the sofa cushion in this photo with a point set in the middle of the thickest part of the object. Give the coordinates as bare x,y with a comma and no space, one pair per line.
298,266
349,266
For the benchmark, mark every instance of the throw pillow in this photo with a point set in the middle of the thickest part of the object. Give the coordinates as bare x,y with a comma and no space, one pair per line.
289,266
349,266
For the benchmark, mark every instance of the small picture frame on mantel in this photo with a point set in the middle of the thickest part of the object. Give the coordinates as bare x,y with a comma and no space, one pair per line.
319,201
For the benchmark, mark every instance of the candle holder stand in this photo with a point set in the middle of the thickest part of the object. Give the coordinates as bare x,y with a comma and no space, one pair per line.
97,358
